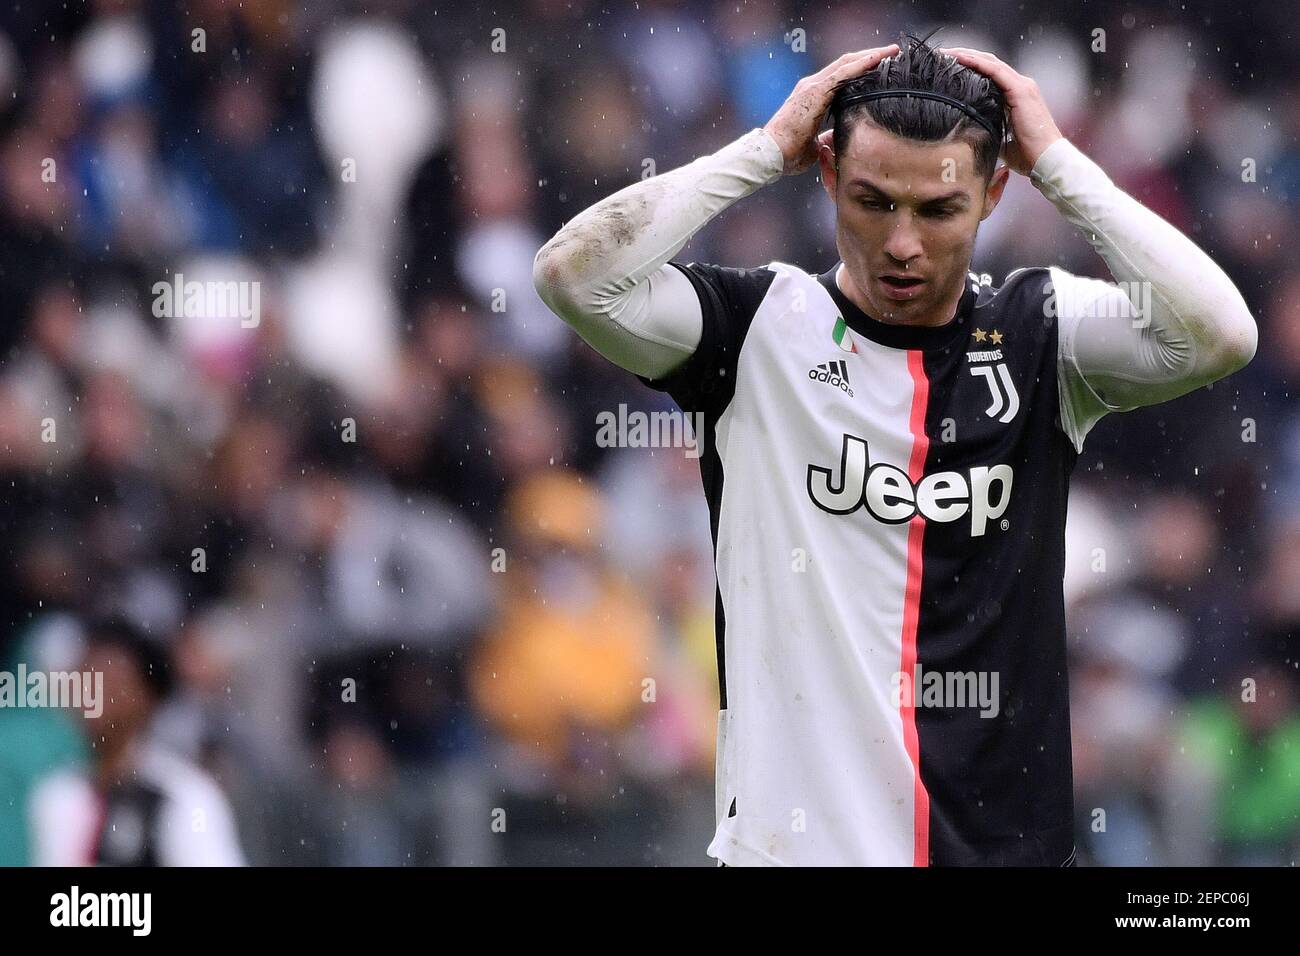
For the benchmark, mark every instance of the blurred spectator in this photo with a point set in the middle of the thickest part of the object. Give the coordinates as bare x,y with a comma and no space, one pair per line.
567,674
36,744
141,804
1241,749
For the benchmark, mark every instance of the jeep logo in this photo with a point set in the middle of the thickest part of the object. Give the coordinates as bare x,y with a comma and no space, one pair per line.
890,496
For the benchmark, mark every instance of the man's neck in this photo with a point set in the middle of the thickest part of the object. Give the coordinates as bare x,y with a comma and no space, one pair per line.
116,759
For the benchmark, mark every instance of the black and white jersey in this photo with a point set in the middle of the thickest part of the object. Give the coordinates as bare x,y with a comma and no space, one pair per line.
888,510
166,812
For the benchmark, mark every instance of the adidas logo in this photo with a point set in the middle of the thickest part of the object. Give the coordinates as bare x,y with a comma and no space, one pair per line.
833,373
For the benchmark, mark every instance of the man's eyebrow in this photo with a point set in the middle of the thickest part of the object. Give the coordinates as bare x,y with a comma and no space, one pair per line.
958,195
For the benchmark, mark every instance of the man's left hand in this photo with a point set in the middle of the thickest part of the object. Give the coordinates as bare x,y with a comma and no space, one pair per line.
1032,126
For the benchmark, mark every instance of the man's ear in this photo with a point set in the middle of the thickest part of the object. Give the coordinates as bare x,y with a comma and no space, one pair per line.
826,159
993,192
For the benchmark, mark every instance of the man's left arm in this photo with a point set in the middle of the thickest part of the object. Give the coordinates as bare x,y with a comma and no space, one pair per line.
1174,321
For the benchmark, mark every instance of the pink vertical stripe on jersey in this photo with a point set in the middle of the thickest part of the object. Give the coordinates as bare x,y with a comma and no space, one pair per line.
911,609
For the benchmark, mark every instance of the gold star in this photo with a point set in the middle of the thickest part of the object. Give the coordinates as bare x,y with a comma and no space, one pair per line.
979,335
996,337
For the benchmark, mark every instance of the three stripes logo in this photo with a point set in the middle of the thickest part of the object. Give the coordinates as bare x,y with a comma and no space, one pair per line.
834,373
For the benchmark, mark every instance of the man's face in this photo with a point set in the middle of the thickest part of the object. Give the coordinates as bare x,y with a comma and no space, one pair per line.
906,208
127,700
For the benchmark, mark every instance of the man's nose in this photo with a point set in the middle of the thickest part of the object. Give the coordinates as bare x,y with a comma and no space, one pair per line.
904,241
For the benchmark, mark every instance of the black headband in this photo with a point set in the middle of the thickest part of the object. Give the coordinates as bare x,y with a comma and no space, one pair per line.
925,95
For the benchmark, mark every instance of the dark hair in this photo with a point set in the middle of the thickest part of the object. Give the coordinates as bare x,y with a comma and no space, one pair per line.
151,655
919,66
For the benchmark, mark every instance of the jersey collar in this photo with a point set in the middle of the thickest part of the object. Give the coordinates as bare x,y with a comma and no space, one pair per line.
900,336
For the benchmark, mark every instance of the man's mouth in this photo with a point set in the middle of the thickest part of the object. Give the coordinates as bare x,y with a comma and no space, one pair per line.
900,286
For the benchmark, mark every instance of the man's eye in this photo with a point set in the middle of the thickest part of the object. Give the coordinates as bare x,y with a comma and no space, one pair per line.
876,204
946,213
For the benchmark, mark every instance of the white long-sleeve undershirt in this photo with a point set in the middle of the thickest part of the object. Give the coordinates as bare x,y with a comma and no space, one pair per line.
1175,323
606,273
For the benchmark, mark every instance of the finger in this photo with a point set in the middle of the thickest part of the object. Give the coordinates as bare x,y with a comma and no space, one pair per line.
839,62
880,51
861,59
855,68
987,64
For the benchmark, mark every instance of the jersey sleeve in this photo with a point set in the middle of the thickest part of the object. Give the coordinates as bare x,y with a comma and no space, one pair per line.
1073,297
1173,322
196,826
729,299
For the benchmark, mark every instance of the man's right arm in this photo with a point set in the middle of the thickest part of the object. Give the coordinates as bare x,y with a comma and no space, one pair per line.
607,272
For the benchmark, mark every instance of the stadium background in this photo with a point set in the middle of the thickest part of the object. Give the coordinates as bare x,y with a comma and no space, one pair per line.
381,302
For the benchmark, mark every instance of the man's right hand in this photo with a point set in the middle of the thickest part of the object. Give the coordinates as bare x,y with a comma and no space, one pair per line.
794,126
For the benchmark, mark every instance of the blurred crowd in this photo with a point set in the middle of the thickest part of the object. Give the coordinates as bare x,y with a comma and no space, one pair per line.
380,595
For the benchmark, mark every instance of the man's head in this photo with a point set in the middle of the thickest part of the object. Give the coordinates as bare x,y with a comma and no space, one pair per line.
137,678
912,178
